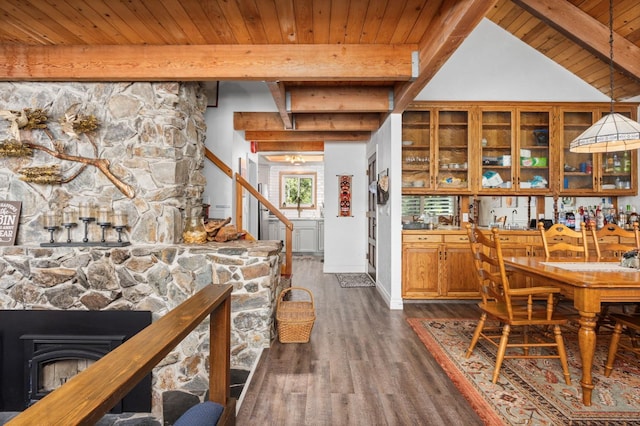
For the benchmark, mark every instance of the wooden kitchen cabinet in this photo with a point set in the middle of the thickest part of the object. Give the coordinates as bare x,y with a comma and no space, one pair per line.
497,143
417,176
452,150
448,147
435,151
439,265
421,267
593,174
459,279
534,163
435,269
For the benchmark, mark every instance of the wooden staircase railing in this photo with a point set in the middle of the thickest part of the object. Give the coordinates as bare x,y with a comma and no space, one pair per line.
89,395
241,185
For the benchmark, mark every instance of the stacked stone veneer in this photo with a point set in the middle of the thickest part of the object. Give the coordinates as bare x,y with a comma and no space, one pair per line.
153,136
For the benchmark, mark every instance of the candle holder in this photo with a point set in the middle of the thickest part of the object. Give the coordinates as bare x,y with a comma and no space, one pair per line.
104,217
68,227
104,226
51,229
86,221
119,229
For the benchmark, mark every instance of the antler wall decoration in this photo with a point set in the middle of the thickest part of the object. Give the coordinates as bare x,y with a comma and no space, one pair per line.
73,125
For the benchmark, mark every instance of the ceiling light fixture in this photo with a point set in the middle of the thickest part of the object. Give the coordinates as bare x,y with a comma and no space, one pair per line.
614,131
296,160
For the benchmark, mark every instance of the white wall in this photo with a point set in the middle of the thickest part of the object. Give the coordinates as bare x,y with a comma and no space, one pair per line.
345,238
493,65
386,142
226,143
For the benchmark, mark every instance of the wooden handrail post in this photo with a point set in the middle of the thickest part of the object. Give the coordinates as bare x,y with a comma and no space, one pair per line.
219,353
239,205
289,248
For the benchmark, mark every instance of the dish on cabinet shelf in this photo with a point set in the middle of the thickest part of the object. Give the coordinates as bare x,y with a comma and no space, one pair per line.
407,143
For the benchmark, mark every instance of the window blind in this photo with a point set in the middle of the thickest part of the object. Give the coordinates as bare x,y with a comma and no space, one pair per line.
416,205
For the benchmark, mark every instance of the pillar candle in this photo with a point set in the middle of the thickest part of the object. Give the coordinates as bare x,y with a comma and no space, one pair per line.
50,219
104,215
86,209
119,218
69,216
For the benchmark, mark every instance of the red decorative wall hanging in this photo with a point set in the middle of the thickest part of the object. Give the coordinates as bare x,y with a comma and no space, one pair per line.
344,195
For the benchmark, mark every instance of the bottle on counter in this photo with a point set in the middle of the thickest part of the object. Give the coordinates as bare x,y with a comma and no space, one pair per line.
622,218
608,168
599,218
562,216
633,217
617,164
571,220
626,162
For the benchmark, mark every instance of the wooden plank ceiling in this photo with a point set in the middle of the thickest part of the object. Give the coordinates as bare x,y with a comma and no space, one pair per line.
335,68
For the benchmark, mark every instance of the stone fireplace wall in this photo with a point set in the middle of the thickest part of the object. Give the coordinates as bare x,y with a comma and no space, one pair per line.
153,135
156,278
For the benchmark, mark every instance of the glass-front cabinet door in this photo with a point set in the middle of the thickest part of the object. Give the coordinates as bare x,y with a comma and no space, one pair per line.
533,166
416,152
452,157
584,173
618,173
577,170
497,146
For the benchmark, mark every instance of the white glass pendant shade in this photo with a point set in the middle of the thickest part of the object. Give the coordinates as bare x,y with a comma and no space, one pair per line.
613,132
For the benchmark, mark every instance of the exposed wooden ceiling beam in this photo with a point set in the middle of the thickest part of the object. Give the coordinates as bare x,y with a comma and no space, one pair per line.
453,23
289,146
338,121
295,136
279,95
588,32
307,122
212,62
341,98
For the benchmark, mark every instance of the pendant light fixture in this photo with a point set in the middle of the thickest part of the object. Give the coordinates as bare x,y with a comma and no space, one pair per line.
613,132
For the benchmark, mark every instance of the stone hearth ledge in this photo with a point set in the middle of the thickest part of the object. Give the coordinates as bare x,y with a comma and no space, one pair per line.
156,278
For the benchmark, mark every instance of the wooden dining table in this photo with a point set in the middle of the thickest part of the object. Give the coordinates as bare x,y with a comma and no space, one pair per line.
588,284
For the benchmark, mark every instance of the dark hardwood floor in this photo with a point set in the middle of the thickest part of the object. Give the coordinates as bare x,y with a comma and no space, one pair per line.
363,366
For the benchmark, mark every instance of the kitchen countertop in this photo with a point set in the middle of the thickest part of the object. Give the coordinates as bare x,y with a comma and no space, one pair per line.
459,230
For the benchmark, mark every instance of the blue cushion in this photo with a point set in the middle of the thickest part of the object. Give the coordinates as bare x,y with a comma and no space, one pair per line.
202,414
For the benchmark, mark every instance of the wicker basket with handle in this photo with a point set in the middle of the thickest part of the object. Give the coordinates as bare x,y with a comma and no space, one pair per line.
295,318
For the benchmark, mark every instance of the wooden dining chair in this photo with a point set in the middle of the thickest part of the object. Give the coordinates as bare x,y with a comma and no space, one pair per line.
613,241
529,309
561,240
625,340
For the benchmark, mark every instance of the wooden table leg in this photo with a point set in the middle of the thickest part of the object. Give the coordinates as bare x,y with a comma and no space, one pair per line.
587,342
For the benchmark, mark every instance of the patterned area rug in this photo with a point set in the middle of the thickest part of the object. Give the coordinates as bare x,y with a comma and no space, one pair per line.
532,391
355,280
